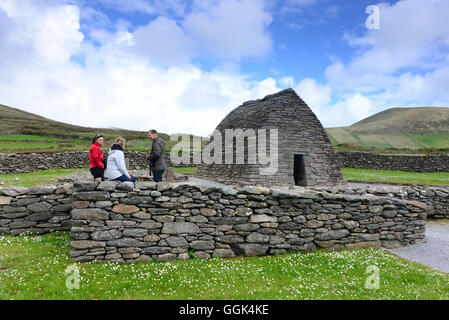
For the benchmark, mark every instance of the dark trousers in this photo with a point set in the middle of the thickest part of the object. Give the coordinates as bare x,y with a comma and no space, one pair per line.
97,172
157,174
124,178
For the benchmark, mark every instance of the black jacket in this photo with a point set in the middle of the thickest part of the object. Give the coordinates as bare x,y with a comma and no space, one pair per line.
157,155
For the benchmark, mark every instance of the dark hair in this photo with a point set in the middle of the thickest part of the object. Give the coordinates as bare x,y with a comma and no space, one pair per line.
96,137
153,131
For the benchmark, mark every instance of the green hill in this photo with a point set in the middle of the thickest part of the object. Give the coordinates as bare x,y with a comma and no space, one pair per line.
396,128
22,131
16,121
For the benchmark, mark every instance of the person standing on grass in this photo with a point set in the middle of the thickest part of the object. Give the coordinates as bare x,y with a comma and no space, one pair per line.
96,157
116,167
156,157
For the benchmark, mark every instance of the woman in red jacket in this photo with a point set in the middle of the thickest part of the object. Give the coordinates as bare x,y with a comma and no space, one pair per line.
96,157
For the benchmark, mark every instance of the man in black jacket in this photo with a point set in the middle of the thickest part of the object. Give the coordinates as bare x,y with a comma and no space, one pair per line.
156,157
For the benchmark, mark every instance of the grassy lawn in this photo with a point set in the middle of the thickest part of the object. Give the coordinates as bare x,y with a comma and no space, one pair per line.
350,174
36,178
23,143
399,177
33,267
185,170
18,143
27,143
51,176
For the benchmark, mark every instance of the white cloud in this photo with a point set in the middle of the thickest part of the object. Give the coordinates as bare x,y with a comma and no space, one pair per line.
413,33
316,95
404,63
58,37
232,29
357,106
420,90
225,30
163,43
347,110
134,80
48,34
287,82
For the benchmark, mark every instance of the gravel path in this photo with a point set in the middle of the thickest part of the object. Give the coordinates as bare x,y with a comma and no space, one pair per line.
86,175
374,185
207,183
433,251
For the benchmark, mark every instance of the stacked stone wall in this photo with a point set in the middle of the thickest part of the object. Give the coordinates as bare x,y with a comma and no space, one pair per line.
366,160
35,210
31,162
166,221
436,199
177,221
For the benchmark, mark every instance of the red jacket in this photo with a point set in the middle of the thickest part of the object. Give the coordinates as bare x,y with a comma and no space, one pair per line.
96,156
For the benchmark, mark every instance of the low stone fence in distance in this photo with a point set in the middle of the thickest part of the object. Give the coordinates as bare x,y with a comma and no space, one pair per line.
30,162
366,160
35,210
114,222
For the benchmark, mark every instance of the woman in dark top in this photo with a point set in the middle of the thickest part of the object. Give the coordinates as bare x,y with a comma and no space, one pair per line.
96,157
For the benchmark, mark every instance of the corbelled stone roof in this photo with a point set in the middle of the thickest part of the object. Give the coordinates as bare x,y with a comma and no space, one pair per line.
300,133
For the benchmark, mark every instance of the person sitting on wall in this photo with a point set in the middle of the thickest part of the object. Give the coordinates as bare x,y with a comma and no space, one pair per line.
116,167
156,157
96,157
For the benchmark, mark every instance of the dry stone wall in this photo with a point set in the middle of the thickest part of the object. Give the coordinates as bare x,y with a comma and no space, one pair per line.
366,160
35,210
115,222
436,199
30,162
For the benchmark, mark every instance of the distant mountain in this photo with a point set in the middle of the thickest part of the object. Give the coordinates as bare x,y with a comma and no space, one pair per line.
16,121
402,128
412,128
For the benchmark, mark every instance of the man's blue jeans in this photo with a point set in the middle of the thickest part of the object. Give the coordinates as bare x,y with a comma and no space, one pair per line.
157,174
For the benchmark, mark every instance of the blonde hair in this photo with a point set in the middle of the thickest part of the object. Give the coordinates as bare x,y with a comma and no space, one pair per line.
120,141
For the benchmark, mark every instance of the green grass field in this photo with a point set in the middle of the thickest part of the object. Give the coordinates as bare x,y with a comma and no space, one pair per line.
426,144
23,143
36,178
343,137
396,177
51,176
34,267
185,170
20,143
350,174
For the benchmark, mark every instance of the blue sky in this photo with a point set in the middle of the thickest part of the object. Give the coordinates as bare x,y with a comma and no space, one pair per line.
304,37
181,66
